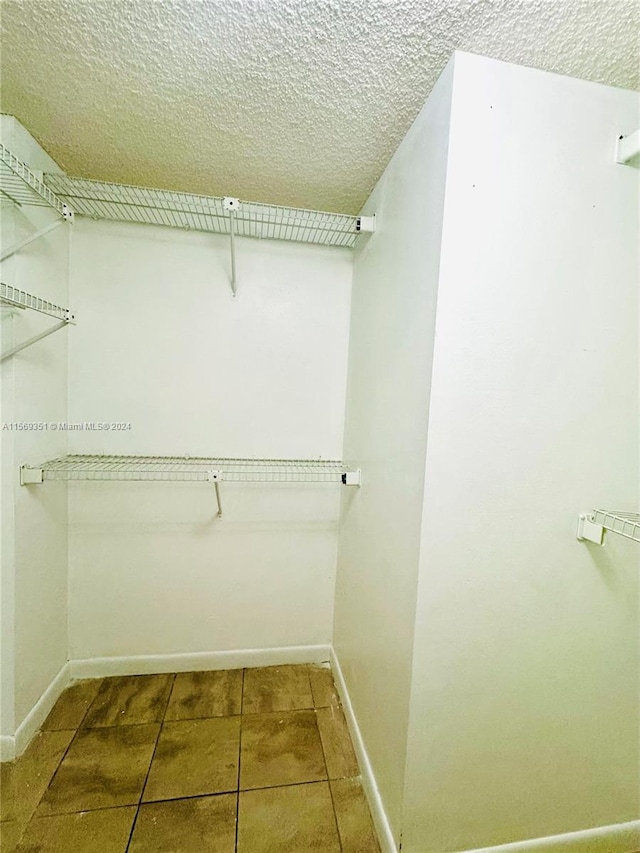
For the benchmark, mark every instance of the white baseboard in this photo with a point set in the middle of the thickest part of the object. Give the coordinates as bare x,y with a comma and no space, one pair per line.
7,748
196,661
617,838
12,747
383,828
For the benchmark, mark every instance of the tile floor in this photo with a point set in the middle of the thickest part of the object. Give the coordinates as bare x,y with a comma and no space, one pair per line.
235,761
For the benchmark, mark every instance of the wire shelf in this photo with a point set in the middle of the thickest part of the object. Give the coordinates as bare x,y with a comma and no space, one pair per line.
626,524
20,185
15,298
124,203
190,469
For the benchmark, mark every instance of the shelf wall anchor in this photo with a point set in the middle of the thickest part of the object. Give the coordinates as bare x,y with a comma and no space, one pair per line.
588,530
628,148
593,525
232,205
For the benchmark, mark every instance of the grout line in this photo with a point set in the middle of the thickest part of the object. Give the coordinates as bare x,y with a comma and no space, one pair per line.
208,795
54,774
335,816
85,811
290,785
239,762
153,755
326,767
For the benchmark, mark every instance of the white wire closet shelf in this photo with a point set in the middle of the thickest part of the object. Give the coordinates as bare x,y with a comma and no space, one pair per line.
21,186
592,525
124,203
190,469
12,297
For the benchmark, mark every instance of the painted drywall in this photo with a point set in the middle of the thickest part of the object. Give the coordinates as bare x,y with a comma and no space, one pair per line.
282,101
164,347
524,708
391,344
34,521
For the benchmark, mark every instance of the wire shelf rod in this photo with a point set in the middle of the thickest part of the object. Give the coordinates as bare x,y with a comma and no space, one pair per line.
121,202
21,299
186,469
13,298
19,184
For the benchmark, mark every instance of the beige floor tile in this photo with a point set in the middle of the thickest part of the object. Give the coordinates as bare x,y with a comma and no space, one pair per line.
196,825
7,792
129,700
323,687
195,757
280,749
205,694
24,781
276,688
10,832
294,819
69,710
103,768
336,743
106,830
354,819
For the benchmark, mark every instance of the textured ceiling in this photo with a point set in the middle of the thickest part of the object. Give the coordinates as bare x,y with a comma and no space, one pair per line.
297,102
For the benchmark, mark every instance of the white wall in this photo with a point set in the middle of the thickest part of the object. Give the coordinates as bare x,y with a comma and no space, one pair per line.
391,344
164,346
34,521
524,710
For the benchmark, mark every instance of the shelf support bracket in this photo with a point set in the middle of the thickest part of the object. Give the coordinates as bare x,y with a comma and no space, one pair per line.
30,239
34,340
29,475
215,477
628,148
589,530
232,205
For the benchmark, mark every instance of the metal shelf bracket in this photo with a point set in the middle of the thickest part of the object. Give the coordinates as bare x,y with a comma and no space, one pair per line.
593,525
588,530
628,148
34,340
215,477
29,475
366,224
7,253
13,298
232,205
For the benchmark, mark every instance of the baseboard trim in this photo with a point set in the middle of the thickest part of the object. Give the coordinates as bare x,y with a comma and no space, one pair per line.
195,661
38,714
616,838
378,813
7,748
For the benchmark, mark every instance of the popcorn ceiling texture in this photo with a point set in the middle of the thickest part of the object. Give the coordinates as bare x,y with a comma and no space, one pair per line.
296,102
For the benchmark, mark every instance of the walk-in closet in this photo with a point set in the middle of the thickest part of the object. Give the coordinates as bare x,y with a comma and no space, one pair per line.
320,478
